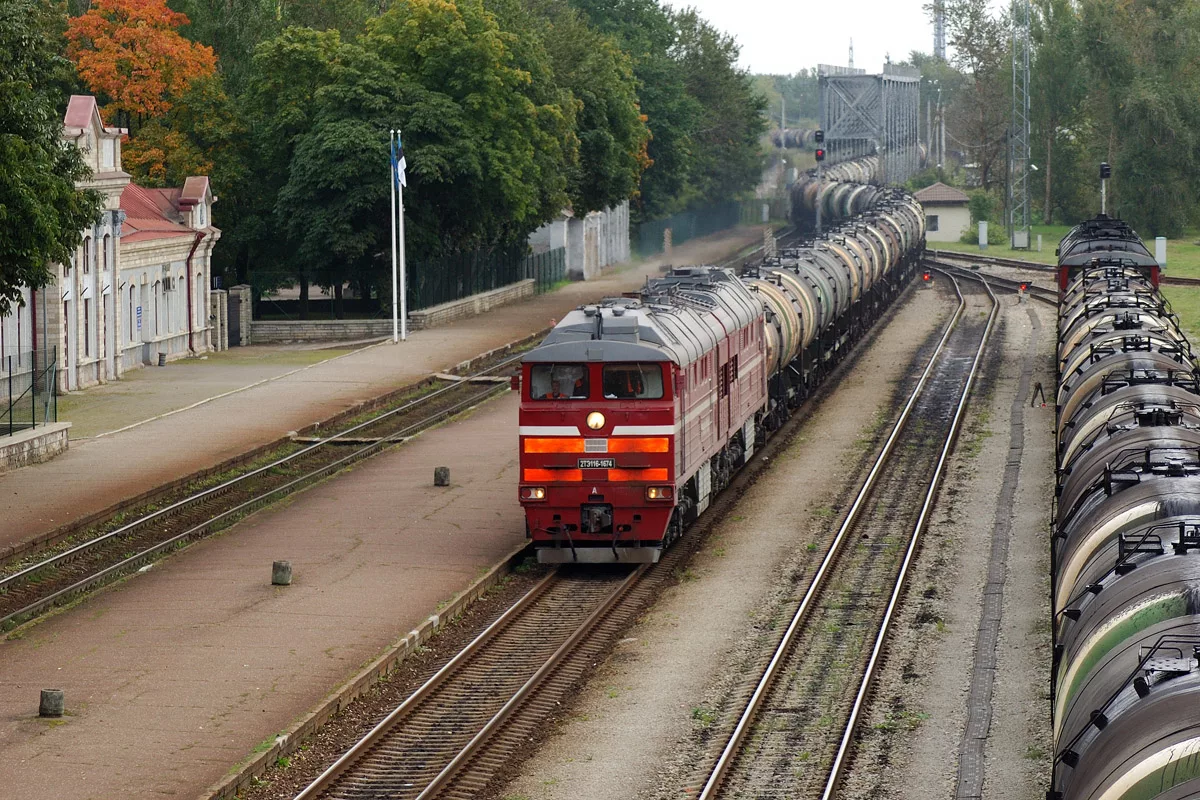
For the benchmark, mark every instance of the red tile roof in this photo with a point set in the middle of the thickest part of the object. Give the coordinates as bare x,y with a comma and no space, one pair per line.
194,189
80,109
151,214
941,194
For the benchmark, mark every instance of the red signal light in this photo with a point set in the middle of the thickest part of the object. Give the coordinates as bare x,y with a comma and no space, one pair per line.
820,154
1024,285
927,275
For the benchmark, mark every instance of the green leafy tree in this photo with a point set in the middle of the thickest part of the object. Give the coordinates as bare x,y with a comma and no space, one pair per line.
42,213
728,159
647,33
1145,77
1058,88
981,109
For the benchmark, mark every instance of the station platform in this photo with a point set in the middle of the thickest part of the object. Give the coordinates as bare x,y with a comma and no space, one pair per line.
175,675
160,424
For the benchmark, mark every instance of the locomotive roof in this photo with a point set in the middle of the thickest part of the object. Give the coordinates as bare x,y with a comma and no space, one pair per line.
1100,237
678,317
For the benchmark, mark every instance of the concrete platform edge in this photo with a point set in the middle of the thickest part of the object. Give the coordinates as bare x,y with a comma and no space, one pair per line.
68,529
286,744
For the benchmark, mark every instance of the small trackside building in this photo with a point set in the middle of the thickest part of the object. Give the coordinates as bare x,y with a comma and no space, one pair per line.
946,213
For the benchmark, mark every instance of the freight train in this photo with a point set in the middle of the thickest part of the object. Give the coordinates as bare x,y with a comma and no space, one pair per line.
636,411
1126,544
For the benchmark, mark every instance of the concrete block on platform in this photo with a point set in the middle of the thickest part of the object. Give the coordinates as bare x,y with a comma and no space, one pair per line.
33,446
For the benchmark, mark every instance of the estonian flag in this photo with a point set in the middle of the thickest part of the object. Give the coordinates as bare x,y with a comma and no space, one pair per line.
399,165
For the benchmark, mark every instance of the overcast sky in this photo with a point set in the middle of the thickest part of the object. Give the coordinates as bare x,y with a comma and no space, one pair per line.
784,36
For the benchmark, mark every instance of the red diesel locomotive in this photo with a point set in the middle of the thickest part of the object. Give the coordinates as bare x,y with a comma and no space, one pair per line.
627,403
635,413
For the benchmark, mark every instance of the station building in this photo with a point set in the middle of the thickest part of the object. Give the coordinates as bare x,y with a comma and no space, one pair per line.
136,291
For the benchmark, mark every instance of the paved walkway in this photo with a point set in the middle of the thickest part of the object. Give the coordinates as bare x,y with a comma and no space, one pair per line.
177,674
109,466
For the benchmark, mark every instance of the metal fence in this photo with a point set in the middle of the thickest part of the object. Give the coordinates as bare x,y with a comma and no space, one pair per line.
438,281
650,236
29,380
430,283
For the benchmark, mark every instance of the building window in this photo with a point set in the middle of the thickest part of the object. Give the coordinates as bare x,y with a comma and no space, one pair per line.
131,320
200,221
932,220
87,328
157,287
87,255
107,249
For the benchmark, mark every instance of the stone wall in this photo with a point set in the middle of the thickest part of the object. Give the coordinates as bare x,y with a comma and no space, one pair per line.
33,446
470,306
320,330
287,331
593,242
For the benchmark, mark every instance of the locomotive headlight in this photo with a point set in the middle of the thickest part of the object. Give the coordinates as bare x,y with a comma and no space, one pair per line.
533,493
660,492
595,420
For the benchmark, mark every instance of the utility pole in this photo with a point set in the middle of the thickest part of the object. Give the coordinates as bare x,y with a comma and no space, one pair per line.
939,30
1018,142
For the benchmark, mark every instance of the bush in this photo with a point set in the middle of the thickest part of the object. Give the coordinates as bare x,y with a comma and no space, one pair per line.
996,234
982,206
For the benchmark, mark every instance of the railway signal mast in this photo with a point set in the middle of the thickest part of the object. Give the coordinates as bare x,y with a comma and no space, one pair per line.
1105,174
1018,140
819,138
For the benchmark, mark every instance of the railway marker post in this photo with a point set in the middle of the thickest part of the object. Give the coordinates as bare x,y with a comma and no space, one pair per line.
51,704
281,573
441,476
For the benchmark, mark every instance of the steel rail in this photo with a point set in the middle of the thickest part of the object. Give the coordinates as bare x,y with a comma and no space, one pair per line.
347,761
559,655
194,499
1016,263
99,577
337,768
843,751
728,754
1041,293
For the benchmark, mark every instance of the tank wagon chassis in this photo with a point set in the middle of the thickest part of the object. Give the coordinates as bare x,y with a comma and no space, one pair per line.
1126,584
637,411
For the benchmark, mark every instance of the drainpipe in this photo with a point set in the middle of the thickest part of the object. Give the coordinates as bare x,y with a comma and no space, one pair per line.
187,277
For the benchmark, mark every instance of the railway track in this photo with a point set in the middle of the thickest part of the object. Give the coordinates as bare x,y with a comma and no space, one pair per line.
1016,263
1036,292
33,585
795,733
453,736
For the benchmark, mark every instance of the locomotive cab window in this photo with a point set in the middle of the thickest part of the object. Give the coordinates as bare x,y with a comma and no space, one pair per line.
558,382
633,381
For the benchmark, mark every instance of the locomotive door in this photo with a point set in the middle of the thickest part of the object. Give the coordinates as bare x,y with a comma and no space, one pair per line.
721,373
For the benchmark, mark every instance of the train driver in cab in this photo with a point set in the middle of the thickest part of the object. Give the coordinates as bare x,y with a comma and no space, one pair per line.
575,378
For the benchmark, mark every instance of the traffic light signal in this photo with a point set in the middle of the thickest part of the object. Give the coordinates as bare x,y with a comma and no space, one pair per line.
818,136
820,154
927,276
1105,170
1024,286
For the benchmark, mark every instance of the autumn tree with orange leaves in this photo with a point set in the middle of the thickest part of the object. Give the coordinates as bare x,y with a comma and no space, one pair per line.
130,54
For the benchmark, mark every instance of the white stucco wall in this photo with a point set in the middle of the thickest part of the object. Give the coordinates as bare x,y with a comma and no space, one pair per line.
951,222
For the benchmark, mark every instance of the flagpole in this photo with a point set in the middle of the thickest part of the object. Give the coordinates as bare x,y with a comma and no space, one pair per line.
392,173
403,271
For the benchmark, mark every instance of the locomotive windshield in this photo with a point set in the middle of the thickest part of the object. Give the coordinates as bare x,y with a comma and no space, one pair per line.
558,382
633,381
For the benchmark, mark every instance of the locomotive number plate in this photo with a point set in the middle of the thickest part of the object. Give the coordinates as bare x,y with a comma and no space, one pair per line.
597,463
